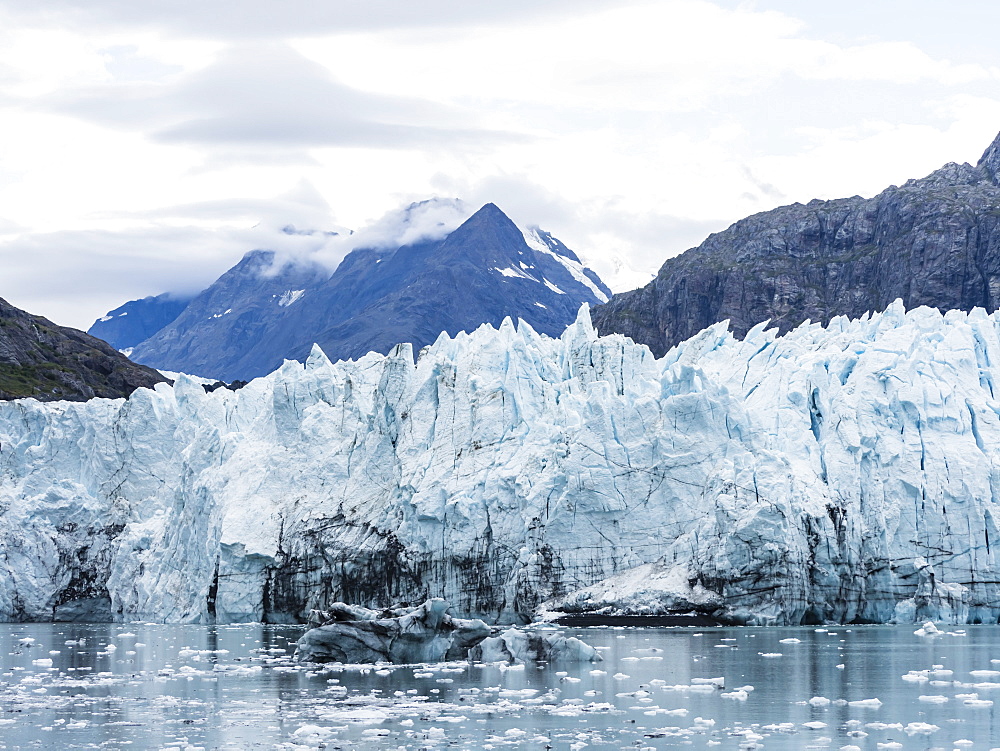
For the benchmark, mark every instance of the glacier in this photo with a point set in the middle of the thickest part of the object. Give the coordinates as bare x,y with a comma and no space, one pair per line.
846,473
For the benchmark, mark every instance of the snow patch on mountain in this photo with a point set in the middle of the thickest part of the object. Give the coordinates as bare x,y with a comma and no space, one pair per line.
536,240
553,287
289,297
514,273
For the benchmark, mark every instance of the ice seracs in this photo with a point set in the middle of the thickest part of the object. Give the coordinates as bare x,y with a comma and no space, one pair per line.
841,473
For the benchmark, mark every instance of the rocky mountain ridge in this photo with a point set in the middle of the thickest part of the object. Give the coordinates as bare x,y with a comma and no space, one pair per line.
934,241
41,360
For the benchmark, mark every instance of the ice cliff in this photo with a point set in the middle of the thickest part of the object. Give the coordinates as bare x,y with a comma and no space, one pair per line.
845,473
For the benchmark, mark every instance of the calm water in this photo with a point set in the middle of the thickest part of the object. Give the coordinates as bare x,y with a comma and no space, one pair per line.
236,687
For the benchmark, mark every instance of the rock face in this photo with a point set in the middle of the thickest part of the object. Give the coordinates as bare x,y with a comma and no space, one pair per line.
848,473
47,362
933,241
261,312
423,634
517,646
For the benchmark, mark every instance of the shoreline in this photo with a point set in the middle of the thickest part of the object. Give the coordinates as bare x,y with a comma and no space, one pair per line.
581,620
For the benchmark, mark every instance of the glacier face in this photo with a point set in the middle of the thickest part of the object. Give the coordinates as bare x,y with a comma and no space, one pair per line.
846,473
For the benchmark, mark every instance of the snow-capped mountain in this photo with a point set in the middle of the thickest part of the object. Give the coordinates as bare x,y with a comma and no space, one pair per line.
846,473
268,308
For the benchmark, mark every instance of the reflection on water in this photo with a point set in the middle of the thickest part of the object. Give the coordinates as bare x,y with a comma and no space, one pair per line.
151,686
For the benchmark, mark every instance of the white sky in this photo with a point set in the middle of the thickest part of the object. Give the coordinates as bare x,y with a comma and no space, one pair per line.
145,146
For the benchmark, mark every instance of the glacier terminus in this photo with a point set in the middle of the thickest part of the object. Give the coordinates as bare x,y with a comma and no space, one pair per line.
846,473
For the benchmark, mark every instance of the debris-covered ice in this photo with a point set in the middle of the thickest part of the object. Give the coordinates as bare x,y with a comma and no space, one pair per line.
427,633
518,645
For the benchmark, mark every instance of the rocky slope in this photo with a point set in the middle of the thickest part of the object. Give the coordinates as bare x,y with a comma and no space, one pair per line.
263,310
933,241
137,320
847,473
49,362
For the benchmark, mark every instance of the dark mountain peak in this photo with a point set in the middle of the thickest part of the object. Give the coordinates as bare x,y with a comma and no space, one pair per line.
491,209
255,259
490,213
48,362
485,239
489,220
934,241
951,175
989,162
269,264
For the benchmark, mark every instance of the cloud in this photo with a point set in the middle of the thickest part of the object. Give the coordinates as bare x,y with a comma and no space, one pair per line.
965,31
766,189
624,245
8,227
73,277
125,63
269,95
302,206
630,129
265,19
421,221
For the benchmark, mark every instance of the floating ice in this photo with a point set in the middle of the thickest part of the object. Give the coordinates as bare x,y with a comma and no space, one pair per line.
928,629
933,698
870,703
516,645
719,682
423,634
920,728
738,694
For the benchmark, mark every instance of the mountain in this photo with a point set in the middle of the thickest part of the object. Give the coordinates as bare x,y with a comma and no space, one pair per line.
240,320
49,362
934,241
265,310
838,474
137,320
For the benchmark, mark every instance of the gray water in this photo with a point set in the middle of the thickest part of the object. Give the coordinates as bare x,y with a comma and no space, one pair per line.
236,687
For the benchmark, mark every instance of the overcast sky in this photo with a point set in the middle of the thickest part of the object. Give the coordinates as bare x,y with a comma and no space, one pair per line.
145,146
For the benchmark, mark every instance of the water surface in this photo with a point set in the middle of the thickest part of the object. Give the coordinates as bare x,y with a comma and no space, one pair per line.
236,687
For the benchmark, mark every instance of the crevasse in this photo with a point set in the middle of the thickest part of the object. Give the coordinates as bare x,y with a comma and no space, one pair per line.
839,473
